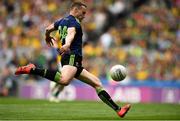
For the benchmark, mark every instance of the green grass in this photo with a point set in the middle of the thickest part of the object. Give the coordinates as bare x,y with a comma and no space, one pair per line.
26,109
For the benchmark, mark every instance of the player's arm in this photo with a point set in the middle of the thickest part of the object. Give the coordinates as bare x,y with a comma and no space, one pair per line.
68,40
48,38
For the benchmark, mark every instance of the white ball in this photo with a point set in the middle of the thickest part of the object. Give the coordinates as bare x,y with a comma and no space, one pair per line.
118,72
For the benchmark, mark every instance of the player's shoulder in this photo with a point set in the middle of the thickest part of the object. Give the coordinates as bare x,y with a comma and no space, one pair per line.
63,21
68,19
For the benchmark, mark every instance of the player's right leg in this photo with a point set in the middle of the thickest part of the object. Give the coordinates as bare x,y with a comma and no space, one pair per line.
25,69
62,77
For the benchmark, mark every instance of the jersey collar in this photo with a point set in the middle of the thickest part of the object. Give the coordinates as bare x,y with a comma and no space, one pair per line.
78,20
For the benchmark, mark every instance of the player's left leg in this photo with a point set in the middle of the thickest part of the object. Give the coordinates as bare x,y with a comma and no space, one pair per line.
92,80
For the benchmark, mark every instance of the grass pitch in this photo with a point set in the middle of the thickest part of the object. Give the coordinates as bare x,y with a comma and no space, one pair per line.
26,109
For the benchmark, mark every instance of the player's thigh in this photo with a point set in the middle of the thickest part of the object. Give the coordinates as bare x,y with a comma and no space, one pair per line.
89,78
68,72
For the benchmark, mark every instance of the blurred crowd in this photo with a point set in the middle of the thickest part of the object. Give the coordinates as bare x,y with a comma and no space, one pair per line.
143,35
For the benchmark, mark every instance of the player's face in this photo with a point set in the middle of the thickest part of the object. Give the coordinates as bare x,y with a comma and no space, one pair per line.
81,13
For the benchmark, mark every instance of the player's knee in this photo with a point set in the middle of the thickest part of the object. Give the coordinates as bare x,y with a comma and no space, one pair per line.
64,81
98,83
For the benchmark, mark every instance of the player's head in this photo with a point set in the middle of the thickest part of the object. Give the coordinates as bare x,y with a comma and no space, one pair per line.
78,10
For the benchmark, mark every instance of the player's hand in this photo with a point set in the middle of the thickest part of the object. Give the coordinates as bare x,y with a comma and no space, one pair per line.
65,48
49,40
